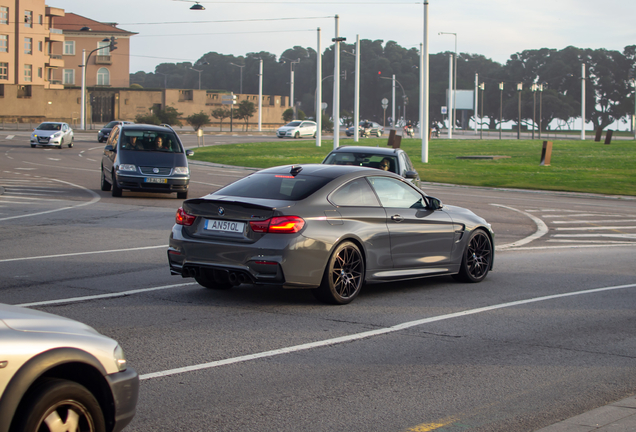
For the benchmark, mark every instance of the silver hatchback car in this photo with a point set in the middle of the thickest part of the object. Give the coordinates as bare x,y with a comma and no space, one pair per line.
57,374
52,134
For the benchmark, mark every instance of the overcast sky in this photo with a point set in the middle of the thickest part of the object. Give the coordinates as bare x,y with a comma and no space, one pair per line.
170,32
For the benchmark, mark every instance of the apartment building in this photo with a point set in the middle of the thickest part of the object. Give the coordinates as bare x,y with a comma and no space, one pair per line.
28,40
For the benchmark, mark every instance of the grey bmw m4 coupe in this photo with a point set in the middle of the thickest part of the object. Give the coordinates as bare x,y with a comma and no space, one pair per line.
328,228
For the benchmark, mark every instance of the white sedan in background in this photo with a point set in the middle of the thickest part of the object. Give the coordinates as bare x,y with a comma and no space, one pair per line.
297,129
54,134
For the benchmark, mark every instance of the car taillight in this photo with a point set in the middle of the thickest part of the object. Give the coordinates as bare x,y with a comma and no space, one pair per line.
278,224
184,218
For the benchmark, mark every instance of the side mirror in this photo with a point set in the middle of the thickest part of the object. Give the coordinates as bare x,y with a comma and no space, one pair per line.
189,152
410,174
108,148
434,203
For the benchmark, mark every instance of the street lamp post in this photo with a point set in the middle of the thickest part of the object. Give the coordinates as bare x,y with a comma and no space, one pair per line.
534,106
403,95
482,86
454,90
241,76
197,70
291,83
85,60
501,87
519,88
540,107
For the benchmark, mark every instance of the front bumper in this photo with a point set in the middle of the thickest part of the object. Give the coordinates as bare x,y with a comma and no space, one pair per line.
135,182
125,388
46,141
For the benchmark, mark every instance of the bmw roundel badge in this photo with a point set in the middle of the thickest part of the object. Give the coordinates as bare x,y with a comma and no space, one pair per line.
221,211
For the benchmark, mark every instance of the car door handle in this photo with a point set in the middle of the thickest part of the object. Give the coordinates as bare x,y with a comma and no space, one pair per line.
397,218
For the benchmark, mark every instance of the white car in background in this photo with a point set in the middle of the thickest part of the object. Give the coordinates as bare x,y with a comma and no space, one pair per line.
54,134
297,129
57,374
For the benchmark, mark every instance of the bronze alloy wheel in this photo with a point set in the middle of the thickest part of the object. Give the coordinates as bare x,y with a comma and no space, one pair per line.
344,275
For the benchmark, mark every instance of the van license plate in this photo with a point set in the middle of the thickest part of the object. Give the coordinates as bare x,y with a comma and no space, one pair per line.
155,180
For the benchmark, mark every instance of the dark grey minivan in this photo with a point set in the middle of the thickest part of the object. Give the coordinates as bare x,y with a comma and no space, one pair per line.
145,158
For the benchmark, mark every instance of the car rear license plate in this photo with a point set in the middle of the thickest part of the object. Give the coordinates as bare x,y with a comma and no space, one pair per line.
155,180
224,226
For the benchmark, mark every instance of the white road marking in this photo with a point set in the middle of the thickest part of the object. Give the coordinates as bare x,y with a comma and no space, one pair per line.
571,246
542,229
626,236
82,253
103,296
10,136
371,333
594,221
593,228
54,159
25,169
95,199
582,215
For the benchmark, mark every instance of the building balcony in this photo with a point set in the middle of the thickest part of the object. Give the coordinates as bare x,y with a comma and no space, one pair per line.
55,61
103,59
55,35
54,84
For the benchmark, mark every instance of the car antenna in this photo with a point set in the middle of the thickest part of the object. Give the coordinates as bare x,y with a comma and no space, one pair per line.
295,169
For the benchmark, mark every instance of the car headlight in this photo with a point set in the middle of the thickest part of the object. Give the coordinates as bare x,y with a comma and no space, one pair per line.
120,359
57,135
127,167
182,170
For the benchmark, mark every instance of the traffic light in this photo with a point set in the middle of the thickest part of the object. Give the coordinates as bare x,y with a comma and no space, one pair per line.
113,44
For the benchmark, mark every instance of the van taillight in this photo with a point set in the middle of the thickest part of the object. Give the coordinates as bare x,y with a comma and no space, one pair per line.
278,224
183,218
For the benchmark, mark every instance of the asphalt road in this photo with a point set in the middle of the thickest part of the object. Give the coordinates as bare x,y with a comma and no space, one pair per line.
548,335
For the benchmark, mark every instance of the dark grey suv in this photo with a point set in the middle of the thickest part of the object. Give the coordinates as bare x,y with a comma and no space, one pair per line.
145,158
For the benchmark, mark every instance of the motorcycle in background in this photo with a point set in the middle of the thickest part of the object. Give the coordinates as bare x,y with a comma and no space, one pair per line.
408,130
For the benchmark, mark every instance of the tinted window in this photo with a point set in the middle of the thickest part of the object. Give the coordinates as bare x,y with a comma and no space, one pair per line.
356,193
111,124
394,193
49,126
360,159
271,186
293,124
146,140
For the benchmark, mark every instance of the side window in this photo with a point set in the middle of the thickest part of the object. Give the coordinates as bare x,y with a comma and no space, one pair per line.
356,193
394,193
409,164
114,137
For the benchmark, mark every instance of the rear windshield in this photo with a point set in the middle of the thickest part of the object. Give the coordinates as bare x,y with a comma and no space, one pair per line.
50,126
362,159
274,186
111,124
141,140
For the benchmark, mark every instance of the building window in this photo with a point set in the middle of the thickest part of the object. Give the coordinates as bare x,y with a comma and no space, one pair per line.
41,20
24,91
103,77
28,19
69,76
40,46
4,43
28,73
4,71
1,90
4,15
105,48
69,47
39,72
28,45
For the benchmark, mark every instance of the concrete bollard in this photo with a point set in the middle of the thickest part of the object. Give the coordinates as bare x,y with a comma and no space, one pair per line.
546,153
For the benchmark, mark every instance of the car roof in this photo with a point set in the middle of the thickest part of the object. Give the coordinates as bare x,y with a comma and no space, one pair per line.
328,171
148,127
365,149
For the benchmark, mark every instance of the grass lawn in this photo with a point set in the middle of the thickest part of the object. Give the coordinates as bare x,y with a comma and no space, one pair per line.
576,166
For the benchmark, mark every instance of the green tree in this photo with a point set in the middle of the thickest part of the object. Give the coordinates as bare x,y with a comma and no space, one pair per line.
147,119
220,114
197,121
169,115
288,115
246,109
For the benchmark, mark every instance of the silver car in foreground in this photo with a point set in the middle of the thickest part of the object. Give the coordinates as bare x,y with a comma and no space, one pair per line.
52,134
57,374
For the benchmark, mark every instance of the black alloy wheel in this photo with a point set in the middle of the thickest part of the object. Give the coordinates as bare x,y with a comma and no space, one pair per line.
70,145
343,276
297,135
477,258
60,405
182,195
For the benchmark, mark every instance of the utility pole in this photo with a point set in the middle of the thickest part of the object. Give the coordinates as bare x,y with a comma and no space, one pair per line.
318,97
